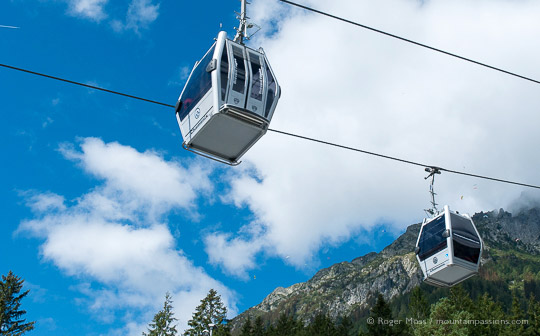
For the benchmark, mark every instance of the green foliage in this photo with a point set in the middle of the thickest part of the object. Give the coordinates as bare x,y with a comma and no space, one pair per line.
534,317
210,311
322,325
418,304
531,288
458,314
345,327
516,314
459,298
258,328
11,321
382,323
507,283
445,311
247,328
286,326
162,324
454,315
485,309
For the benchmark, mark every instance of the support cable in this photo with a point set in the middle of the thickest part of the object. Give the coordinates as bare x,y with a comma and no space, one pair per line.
85,85
409,41
406,161
286,133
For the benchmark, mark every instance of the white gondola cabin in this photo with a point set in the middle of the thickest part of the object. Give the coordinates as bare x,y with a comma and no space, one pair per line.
448,248
228,101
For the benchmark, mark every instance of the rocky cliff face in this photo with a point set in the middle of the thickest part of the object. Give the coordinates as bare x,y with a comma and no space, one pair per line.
349,287
502,229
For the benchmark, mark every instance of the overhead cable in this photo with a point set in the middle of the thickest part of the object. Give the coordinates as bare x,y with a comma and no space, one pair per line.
289,134
404,161
85,85
409,41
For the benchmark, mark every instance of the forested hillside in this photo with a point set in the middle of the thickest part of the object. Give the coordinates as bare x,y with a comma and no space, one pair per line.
341,298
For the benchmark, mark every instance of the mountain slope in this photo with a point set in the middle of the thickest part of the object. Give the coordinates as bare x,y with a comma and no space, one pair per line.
512,248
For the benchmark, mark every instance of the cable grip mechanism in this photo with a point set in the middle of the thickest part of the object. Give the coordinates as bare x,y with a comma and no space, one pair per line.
432,172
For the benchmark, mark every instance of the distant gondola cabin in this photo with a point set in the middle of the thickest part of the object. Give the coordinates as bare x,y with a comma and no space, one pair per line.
448,248
228,101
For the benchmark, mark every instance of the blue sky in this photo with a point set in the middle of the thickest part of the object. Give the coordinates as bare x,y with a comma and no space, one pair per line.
104,211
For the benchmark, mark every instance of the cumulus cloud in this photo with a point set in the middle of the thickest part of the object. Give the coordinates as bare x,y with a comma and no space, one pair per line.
114,239
361,89
137,180
140,14
234,255
44,202
90,9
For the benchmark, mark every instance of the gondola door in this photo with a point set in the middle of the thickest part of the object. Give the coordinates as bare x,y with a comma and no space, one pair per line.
258,86
239,77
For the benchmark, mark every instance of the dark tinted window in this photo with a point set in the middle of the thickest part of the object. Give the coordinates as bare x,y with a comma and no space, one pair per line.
239,79
463,227
256,77
224,72
466,241
466,252
271,91
431,239
198,85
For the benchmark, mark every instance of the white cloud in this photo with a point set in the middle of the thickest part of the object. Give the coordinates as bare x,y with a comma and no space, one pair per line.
180,77
235,255
90,9
138,179
113,238
358,88
43,202
140,14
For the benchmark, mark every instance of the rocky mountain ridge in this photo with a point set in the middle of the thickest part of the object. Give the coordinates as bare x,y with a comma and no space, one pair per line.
348,288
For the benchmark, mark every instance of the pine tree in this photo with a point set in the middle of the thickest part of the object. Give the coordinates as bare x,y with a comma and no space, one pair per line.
210,311
380,322
516,314
445,310
258,328
487,309
460,298
345,327
533,329
286,326
11,321
247,328
418,304
322,325
162,324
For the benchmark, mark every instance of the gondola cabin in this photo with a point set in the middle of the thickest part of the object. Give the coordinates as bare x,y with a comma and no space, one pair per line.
448,248
228,101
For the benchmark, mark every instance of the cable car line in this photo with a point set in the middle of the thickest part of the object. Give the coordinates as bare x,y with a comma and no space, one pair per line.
410,41
407,161
349,148
289,134
85,85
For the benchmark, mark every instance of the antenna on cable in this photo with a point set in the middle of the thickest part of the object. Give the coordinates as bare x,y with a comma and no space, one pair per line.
241,31
432,171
